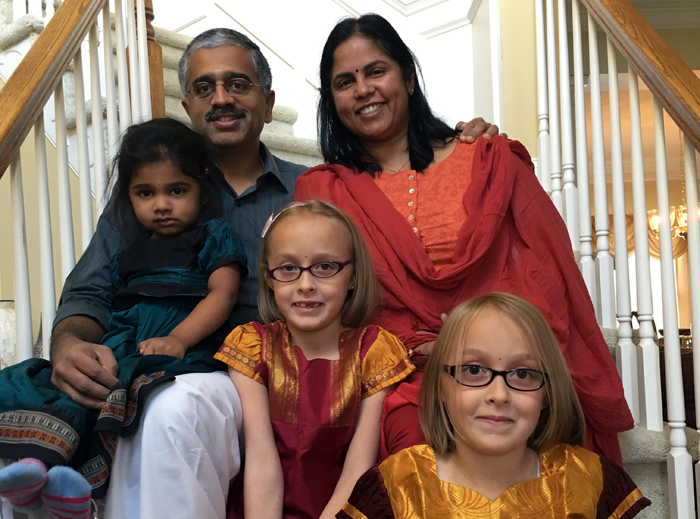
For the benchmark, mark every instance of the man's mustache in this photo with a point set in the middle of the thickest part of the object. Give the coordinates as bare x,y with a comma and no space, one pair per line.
224,111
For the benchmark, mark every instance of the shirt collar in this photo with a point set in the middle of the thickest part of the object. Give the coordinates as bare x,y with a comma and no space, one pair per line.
270,166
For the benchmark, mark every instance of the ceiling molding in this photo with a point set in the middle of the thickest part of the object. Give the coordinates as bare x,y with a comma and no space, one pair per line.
347,8
442,29
411,7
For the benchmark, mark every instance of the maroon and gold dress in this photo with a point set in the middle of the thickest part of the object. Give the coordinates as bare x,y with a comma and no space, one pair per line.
314,404
573,483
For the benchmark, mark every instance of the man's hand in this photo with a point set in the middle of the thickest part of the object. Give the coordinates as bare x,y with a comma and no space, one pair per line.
169,345
86,372
474,128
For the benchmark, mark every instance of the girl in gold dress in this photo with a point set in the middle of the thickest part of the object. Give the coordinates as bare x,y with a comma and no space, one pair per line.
504,430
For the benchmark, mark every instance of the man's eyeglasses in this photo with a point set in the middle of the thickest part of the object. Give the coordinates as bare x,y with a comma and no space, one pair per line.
235,87
474,375
322,269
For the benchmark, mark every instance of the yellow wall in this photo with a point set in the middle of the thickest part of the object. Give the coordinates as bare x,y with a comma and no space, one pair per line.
29,179
519,72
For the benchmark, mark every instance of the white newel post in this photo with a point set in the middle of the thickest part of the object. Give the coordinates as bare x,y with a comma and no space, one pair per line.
604,261
626,352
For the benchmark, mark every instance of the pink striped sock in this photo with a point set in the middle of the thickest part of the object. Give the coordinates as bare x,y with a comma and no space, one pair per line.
66,495
21,484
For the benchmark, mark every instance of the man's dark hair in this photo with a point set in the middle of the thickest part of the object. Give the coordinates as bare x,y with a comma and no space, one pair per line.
425,130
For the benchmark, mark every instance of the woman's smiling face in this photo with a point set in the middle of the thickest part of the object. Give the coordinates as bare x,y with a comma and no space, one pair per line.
370,93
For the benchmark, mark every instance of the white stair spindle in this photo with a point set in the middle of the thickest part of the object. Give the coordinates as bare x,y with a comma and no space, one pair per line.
136,113
626,352
144,75
680,464
19,9
86,218
50,11
110,91
542,103
691,199
34,8
570,195
650,384
554,150
122,72
48,282
65,206
23,306
98,142
584,199
604,261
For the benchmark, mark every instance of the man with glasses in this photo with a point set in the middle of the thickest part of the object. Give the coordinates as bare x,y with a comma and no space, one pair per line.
180,461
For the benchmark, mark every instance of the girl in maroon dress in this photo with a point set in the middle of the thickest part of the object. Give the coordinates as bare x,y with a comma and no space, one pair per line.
313,380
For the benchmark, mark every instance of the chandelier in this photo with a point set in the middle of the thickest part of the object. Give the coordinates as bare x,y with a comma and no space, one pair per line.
679,221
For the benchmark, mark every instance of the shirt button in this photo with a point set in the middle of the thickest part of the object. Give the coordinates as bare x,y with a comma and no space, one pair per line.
415,229
410,177
410,204
410,217
411,190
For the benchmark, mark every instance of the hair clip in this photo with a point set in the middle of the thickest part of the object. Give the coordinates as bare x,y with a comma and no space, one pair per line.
268,224
206,171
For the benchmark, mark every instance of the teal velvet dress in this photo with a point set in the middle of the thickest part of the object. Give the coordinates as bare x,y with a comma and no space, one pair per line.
157,284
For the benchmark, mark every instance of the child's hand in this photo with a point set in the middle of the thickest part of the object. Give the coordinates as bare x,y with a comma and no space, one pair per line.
169,345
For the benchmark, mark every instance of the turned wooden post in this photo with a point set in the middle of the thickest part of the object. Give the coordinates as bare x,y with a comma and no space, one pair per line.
155,66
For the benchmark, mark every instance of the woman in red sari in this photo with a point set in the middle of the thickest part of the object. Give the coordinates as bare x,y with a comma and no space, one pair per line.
447,221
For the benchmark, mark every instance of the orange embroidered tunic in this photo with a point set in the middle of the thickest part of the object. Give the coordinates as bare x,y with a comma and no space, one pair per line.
314,404
432,201
573,483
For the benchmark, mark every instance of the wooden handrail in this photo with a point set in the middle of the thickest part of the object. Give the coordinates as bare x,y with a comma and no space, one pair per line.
31,84
663,71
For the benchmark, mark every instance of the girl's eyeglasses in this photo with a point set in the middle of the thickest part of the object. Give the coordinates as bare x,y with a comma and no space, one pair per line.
474,375
322,269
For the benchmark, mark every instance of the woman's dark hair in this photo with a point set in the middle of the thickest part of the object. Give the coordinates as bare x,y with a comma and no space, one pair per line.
425,130
155,141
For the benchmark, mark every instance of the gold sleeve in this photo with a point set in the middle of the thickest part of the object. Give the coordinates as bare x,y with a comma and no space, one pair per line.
241,350
385,364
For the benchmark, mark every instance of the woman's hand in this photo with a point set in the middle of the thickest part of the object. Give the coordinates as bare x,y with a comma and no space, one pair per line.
427,347
169,345
474,128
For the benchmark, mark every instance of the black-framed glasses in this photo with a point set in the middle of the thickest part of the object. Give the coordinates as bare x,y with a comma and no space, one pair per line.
322,269
235,87
475,375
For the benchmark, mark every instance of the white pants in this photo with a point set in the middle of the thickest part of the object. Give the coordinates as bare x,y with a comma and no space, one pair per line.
184,455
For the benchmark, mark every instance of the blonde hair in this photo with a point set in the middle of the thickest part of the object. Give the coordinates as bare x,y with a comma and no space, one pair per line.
363,298
561,420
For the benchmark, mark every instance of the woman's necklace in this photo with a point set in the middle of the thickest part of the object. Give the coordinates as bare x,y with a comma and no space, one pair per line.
394,171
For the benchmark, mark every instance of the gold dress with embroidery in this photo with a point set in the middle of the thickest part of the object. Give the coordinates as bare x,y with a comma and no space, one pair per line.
573,483
314,404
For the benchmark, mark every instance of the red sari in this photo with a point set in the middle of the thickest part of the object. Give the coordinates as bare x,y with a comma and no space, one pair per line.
515,241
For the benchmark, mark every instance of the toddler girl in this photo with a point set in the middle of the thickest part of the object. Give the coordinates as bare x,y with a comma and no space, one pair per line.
504,429
312,381
174,290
